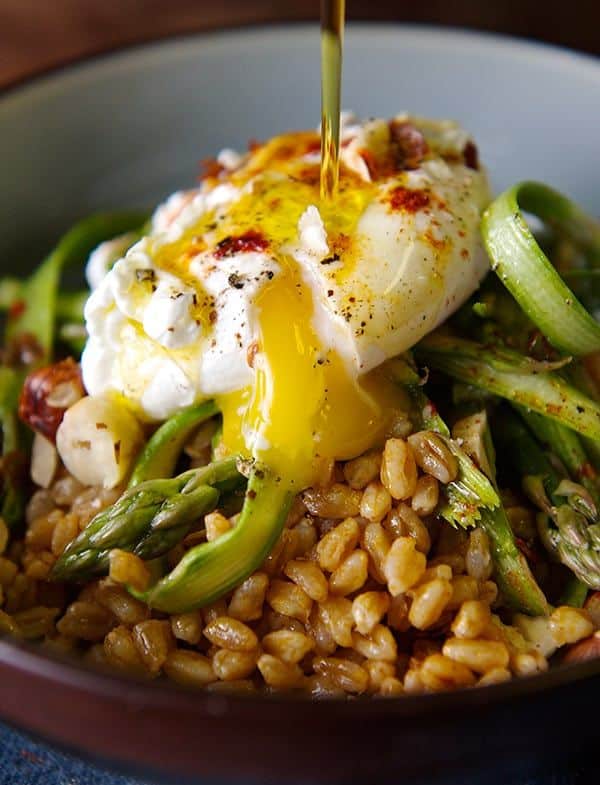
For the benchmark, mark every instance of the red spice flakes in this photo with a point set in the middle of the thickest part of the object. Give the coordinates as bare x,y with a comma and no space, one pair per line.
410,201
253,145
251,240
210,168
464,254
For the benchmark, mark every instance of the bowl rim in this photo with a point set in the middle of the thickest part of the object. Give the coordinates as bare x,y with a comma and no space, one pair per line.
31,659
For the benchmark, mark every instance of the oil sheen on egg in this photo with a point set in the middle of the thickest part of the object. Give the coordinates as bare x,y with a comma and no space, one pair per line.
285,308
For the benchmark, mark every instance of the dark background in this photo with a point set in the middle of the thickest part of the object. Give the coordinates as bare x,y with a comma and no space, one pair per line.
37,34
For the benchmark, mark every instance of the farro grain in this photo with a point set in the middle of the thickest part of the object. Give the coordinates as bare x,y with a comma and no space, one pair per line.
472,619
86,620
65,530
309,577
360,471
336,613
398,469
433,456
214,611
121,651
344,674
277,673
404,522
320,687
120,603
495,676
154,640
320,632
429,600
287,645
464,588
233,665
412,682
368,609
216,524
40,505
378,645
128,569
187,626
528,663
35,622
391,687
351,574
377,543
306,534
337,501
289,599
247,601
426,496
488,592
569,625
376,502
397,615
479,655
439,672
189,668
403,566
378,671
333,548
229,633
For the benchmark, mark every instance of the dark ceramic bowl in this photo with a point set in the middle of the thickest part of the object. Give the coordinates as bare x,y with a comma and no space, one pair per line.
128,129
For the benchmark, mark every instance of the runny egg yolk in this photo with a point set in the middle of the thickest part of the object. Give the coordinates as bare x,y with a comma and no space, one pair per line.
305,407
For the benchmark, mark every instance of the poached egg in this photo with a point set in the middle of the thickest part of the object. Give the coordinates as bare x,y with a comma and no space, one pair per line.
284,308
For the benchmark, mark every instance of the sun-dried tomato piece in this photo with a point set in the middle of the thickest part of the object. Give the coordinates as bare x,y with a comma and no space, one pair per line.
47,394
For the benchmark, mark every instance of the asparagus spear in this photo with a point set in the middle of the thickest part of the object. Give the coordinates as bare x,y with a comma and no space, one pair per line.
38,295
512,572
147,520
566,445
160,455
564,527
525,270
211,569
515,377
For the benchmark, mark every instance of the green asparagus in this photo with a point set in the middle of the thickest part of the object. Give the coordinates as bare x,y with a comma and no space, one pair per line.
525,270
511,571
513,376
162,451
564,529
147,520
211,569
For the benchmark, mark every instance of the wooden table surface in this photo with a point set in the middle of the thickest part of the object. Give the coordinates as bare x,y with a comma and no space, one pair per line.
38,34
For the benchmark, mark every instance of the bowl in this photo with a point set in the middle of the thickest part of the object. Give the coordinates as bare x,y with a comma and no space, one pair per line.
129,128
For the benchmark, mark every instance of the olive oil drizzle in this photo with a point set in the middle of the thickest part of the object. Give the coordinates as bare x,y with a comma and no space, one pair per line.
332,40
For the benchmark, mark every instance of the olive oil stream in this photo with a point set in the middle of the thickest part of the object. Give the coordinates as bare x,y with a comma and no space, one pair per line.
332,41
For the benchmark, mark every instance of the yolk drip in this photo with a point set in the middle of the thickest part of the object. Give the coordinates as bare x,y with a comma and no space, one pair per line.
305,407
